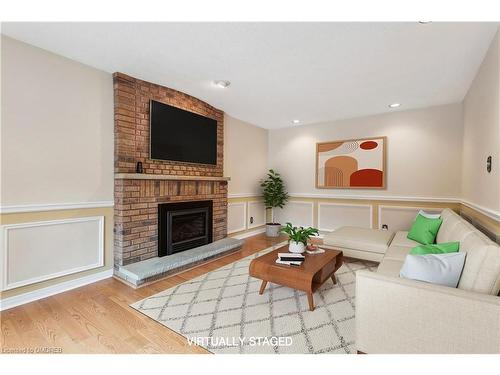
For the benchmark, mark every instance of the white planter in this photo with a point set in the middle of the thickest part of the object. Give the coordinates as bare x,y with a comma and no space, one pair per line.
273,230
296,247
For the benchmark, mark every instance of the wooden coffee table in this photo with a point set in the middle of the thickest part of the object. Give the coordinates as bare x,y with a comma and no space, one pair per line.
308,277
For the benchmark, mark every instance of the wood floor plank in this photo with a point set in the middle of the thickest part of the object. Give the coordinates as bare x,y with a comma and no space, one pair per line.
10,338
25,327
49,329
97,318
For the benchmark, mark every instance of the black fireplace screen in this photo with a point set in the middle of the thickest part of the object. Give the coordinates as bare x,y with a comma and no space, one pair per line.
183,226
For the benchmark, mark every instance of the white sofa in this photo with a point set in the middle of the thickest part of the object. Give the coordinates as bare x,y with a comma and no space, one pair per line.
396,315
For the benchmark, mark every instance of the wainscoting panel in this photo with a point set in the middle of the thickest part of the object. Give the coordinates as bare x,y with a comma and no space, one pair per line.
299,213
257,211
400,217
38,251
236,217
334,215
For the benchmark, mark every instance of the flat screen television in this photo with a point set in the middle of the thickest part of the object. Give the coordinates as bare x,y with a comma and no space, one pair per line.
180,135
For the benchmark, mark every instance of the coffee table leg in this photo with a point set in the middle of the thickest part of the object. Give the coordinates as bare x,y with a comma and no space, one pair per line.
334,279
311,301
262,286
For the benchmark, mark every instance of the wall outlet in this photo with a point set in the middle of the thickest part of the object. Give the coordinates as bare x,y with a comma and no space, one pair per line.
251,219
385,227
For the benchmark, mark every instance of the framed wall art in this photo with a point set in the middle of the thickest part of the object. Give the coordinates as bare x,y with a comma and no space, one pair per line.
351,164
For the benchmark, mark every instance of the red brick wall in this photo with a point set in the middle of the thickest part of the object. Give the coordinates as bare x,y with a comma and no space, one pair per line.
132,98
136,201
136,212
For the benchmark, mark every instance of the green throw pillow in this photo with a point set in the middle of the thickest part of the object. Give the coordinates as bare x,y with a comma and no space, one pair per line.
424,230
439,248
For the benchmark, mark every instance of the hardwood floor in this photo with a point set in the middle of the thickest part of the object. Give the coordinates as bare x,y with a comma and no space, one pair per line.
97,318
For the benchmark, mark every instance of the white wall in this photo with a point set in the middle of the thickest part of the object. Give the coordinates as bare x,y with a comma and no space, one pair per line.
424,152
245,156
482,133
57,128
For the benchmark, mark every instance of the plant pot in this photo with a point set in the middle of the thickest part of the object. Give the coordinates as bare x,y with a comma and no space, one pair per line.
296,247
273,230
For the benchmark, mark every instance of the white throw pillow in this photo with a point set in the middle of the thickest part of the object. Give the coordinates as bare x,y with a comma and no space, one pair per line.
428,215
441,269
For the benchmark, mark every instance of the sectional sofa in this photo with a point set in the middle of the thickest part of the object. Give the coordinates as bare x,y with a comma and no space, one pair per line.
396,315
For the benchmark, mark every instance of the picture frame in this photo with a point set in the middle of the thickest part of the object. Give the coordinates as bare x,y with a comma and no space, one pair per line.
359,163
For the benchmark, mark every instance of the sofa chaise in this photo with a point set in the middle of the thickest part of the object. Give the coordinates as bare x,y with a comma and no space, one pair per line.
397,315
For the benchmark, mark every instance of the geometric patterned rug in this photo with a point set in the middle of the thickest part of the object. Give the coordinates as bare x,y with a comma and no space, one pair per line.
223,312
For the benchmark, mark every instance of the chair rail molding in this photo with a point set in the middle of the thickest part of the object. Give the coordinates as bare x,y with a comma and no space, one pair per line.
244,195
10,209
492,214
375,197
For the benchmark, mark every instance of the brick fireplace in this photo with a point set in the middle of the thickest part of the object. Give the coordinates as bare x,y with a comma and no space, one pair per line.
137,196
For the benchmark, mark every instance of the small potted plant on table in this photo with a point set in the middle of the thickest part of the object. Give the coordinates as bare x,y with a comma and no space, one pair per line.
275,195
298,237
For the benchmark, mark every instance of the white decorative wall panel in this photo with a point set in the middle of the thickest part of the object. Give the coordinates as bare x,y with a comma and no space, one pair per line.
296,212
400,218
334,215
257,211
236,217
37,251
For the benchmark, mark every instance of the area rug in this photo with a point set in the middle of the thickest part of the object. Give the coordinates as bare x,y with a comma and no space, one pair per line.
223,312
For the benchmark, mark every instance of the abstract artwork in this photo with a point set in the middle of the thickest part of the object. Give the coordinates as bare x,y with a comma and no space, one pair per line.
351,164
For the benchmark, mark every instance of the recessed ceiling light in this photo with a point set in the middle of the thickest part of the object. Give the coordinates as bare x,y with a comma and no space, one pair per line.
394,105
222,84
295,122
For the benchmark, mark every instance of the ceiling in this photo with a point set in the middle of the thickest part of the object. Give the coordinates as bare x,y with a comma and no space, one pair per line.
279,72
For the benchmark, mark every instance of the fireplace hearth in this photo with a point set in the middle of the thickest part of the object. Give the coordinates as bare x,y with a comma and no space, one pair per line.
183,226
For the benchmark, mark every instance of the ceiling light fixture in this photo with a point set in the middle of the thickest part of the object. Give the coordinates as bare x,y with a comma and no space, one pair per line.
295,122
222,84
394,105
424,22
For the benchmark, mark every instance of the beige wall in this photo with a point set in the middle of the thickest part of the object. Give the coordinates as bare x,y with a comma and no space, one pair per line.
57,128
424,152
56,151
245,156
482,134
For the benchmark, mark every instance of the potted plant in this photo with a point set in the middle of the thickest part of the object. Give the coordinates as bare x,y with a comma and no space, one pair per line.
298,237
274,196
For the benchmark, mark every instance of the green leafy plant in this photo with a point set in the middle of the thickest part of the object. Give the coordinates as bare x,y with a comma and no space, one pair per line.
274,191
299,234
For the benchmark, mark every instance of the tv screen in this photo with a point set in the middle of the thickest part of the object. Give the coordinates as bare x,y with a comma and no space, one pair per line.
179,135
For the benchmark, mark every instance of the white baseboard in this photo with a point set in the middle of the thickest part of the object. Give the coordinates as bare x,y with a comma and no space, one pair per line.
249,234
21,299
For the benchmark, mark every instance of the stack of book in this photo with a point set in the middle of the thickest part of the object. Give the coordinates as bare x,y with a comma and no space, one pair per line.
290,259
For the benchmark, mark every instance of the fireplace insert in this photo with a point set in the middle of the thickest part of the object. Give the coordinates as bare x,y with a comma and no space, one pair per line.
183,226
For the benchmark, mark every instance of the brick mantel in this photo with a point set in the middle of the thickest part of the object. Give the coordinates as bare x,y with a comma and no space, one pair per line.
137,195
139,176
